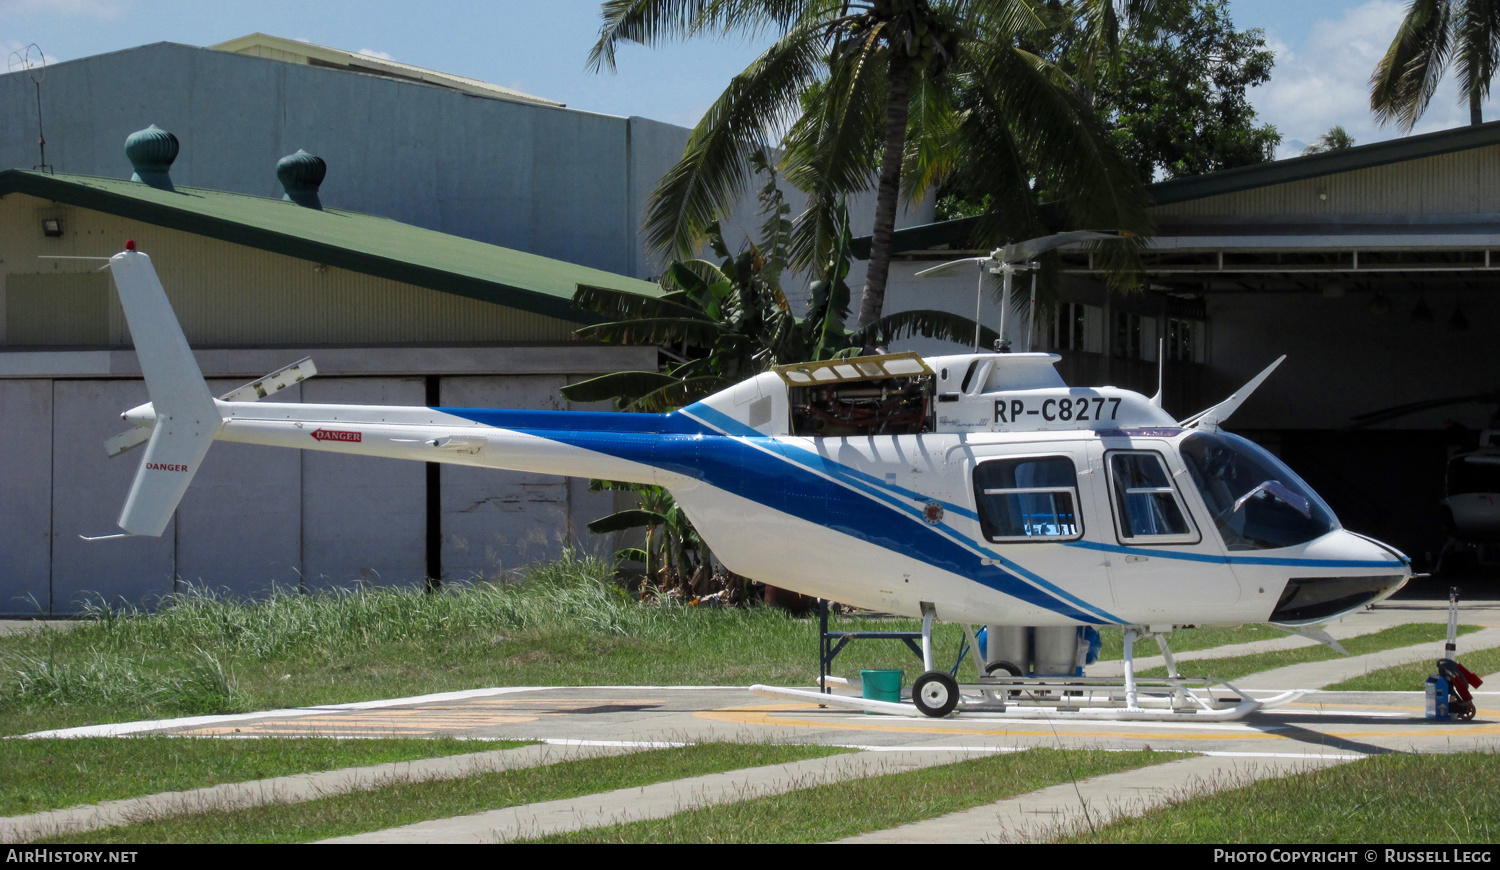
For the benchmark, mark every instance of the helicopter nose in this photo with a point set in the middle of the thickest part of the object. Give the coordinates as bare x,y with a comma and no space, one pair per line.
1360,571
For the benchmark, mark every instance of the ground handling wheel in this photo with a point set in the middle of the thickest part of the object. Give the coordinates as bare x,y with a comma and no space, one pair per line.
935,693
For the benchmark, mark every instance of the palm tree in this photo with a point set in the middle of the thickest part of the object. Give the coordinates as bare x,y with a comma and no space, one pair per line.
1336,139
888,94
1433,34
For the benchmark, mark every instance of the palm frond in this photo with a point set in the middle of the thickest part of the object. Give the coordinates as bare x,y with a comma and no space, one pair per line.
653,22
1407,76
1057,137
623,386
941,325
1476,36
680,393
622,304
695,332
715,169
633,518
932,149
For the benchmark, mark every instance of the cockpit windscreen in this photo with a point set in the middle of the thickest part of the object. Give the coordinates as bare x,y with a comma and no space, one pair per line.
1257,503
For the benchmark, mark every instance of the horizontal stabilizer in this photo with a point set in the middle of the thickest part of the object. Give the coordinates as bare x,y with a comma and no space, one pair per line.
273,383
254,391
127,440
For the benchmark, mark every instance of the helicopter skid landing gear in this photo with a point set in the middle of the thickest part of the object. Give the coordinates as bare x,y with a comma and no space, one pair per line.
1000,693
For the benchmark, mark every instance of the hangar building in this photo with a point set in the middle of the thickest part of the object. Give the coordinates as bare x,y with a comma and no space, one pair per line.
391,314
1374,269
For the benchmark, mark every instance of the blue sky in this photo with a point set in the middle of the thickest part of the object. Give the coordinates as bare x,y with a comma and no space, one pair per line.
1325,50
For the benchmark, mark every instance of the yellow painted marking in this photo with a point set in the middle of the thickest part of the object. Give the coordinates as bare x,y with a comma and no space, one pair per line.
767,715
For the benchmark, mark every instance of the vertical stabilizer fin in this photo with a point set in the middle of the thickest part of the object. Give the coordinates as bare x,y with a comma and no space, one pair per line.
187,419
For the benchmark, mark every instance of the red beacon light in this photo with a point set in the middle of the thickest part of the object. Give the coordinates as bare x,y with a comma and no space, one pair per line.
130,244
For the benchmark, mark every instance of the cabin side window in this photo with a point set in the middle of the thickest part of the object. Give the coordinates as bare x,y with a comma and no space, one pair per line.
1031,498
1148,509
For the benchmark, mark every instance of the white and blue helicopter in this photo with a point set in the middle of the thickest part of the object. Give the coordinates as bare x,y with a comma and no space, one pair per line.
974,488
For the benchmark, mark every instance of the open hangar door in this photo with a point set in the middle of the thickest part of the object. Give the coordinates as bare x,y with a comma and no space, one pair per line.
1392,370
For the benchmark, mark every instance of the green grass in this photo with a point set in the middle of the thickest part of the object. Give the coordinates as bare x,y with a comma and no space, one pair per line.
564,623
408,803
1234,667
46,774
1112,646
1443,799
1412,677
830,812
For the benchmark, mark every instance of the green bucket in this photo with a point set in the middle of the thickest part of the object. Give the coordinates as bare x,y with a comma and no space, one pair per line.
882,685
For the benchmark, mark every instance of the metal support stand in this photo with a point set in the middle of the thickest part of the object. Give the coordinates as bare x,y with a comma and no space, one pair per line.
979,662
1166,653
928,614
831,643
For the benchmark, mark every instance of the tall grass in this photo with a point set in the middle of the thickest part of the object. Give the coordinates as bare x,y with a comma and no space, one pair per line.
563,622
570,591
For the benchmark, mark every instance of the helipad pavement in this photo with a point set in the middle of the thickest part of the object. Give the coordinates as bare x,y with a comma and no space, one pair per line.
1319,724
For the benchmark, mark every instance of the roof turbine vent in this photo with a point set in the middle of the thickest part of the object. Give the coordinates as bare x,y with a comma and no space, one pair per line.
151,152
301,174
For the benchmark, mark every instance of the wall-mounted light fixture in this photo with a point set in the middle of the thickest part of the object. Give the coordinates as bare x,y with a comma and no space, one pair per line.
52,227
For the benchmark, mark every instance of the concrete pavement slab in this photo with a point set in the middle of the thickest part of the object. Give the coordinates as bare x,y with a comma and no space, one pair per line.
653,801
1056,811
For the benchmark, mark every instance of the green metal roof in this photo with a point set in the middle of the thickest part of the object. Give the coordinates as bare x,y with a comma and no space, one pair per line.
345,239
958,233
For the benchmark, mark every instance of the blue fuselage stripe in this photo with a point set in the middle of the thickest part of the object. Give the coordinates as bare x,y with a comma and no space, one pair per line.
704,444
1165,552
767,477
876,489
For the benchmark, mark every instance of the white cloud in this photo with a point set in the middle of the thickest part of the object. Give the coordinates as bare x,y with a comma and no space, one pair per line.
1327,82
370,52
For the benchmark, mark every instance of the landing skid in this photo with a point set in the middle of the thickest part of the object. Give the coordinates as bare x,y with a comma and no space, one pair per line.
1076,698
937,694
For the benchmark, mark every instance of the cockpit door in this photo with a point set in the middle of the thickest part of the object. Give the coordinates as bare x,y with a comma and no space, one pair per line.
1164,560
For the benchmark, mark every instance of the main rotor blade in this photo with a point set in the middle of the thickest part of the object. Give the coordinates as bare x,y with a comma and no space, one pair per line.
1370,418
951,264
1021,252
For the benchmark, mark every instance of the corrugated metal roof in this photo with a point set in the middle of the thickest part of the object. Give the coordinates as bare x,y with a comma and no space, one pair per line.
959,233
296,51
349,240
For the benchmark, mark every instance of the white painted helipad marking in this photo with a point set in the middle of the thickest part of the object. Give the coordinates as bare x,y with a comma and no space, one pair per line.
120,729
